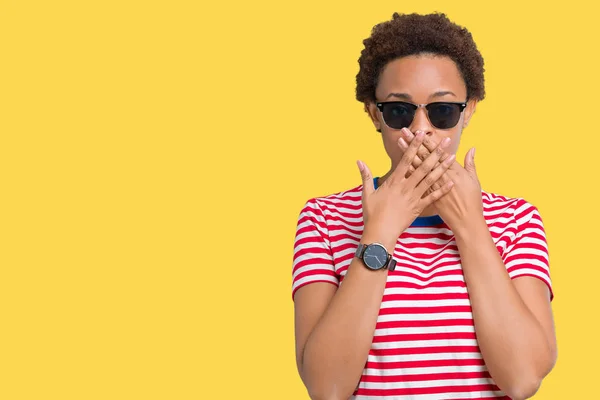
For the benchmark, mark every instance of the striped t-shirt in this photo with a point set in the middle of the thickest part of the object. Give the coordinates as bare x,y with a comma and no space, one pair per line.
424,346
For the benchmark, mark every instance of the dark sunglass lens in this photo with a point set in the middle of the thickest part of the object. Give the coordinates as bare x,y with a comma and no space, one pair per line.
444,115
398,115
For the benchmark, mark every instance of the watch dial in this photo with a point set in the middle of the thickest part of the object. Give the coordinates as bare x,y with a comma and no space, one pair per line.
375,256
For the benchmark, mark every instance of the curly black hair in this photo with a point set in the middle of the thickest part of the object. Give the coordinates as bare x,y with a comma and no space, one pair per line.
413,34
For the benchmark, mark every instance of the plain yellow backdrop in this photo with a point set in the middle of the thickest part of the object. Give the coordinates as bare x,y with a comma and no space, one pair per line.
154,157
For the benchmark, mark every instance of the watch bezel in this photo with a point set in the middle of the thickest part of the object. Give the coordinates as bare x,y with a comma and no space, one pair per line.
372,246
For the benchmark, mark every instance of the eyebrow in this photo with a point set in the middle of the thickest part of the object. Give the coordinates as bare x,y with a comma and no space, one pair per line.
407,96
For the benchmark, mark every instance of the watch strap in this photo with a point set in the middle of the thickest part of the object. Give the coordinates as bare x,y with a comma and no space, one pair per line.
360,250
391,265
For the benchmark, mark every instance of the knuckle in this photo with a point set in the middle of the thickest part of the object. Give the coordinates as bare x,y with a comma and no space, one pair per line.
428,166
428,143
416,209
429,180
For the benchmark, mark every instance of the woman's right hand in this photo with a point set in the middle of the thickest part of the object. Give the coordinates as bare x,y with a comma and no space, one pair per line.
390,209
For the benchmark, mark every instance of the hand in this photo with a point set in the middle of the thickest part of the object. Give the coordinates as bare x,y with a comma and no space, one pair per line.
390,209
464,205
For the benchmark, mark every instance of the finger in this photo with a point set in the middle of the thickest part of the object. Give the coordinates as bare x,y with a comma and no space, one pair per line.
423,172
443,179
470,161
438,184
435,175
418,159
428,146
408,156
410,171
422,152
411,168
367,178
436,195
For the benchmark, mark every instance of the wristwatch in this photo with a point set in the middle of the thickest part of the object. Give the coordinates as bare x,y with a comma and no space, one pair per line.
375,256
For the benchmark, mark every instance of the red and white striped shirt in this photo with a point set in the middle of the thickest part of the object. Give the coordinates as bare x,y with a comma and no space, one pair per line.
424,345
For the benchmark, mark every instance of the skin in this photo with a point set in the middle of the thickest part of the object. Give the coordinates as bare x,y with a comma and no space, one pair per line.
420,80
335,326
513,318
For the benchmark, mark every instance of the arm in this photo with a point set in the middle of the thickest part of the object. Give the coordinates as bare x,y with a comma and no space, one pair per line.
335,326
334,330
513,319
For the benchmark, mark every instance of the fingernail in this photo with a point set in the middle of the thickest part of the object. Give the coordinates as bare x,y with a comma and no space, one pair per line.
473,152
406,132
420,134
445,142
450,159
403,143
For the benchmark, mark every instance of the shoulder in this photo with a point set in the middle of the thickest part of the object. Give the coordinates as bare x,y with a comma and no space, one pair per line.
498,206
338,202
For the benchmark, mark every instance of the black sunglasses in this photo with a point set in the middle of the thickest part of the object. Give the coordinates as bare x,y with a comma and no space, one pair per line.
399,114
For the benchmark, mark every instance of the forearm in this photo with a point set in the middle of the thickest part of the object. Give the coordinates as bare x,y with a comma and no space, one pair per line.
337,349
513,344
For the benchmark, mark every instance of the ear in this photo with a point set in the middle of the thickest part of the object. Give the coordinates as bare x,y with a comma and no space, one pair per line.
469,111
371,109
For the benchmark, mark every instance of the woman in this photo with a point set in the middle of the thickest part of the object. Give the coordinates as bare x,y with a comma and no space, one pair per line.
418,284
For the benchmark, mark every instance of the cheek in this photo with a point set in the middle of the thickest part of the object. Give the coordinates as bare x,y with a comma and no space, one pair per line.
455,138
453,146
390,143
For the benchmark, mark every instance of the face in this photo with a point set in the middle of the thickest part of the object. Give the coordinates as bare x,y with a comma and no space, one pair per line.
420,79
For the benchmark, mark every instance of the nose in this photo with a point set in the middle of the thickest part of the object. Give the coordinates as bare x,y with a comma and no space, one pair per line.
421,122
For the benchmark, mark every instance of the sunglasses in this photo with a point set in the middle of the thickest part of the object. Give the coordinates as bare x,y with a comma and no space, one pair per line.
399,114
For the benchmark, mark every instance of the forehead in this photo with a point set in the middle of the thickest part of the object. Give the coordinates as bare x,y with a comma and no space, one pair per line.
420,77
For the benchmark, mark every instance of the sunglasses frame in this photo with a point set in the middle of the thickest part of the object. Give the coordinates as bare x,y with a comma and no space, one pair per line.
380,106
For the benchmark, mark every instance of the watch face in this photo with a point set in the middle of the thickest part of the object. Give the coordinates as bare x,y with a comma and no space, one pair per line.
375,256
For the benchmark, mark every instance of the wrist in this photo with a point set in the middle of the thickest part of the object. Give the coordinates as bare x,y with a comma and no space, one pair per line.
472,228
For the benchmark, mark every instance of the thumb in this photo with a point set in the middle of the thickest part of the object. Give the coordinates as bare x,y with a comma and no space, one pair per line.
470,161
367,178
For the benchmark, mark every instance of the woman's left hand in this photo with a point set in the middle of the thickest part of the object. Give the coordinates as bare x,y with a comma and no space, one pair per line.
462,206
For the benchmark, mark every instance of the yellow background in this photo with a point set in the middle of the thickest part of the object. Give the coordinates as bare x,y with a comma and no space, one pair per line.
154,157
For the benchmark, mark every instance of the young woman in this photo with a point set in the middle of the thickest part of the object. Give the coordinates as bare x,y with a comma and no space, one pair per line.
419,284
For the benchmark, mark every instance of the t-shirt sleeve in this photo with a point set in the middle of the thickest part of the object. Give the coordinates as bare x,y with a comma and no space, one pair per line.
313,258
527,255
